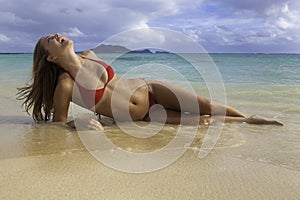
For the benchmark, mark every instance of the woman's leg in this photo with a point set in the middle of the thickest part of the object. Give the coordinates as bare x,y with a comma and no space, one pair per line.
167,95
249,120
161,115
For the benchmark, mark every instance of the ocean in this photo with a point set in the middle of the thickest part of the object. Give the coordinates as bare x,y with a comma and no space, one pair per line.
257,84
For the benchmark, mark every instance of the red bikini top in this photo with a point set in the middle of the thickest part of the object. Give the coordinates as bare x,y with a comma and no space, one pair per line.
92,97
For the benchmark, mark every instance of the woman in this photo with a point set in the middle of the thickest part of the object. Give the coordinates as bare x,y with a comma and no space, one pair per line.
61,76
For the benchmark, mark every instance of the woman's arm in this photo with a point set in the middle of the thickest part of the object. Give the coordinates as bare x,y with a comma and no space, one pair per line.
85,123
61,101
62,98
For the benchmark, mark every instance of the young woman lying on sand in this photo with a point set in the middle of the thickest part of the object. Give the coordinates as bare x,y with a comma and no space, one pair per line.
53,87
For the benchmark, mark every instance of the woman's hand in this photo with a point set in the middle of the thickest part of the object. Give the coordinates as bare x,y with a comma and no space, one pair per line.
95,125
84,123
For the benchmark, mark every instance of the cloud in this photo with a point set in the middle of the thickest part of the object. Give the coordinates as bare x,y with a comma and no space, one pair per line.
155,38
272,14
74,32
138,38
255,6
283,17
89,22
4,38
243,26
217,25
9,18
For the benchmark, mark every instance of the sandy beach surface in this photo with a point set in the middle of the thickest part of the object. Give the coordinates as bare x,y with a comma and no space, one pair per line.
43,161
77,175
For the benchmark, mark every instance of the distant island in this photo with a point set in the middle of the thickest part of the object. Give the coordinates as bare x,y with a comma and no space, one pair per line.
104,48
140,51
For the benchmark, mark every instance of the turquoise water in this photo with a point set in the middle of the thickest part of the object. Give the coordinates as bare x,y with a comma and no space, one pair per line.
267,69
253,69
263,84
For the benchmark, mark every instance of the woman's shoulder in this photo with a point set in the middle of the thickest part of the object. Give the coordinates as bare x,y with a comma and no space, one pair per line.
65,81
88,53
65,76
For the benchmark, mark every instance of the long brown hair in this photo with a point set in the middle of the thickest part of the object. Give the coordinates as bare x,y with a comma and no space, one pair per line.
38,93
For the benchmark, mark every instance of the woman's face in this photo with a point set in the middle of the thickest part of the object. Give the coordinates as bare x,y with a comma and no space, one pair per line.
57,45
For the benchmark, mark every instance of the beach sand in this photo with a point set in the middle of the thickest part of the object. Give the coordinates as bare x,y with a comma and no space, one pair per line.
48,161
77,175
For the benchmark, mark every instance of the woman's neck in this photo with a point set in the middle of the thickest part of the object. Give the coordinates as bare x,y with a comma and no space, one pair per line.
72,64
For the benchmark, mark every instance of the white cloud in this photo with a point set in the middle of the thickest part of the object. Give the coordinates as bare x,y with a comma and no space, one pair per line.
139,38
283,23
4,38
213,23
13,19
155,38
249,25
74,32
284,18
194,34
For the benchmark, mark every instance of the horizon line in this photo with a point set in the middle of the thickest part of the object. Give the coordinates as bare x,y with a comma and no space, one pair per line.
184,52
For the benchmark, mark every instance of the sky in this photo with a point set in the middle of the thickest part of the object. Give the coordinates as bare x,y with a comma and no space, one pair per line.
219,26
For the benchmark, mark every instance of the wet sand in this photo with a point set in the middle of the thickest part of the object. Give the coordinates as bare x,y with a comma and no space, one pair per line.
80,176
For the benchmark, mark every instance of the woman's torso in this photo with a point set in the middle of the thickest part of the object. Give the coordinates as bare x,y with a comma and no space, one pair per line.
122,99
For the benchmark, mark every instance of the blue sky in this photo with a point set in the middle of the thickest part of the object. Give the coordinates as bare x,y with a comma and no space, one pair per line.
238,26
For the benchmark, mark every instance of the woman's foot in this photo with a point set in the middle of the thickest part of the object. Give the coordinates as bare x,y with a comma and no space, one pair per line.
206,120
259,120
